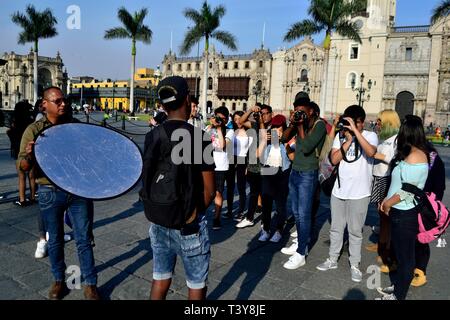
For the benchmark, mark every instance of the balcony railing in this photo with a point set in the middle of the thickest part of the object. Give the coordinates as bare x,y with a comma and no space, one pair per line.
411,29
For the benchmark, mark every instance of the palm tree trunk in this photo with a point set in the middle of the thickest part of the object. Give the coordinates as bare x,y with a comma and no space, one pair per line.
133,63
205,80
35,71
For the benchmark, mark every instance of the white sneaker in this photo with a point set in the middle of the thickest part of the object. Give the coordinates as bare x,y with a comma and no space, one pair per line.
356,274
67,237
386,291
276,237
264,236
245,223
294,234
387,297
327,265
295,261
41,249
291,249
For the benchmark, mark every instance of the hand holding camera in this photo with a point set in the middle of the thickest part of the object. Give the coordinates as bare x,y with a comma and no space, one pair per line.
299,117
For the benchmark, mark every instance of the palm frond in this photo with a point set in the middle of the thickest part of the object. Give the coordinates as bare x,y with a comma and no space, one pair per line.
219,12
25,37
127,20
144,34
140,16
442,10
303,28
225,38
36,25
193,15
192,37
349,30
117,33
21,20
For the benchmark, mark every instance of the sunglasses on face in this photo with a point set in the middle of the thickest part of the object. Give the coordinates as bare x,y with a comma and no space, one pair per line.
58,102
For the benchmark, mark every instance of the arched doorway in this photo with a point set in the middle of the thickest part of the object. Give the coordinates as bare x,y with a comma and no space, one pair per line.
44,80
404,104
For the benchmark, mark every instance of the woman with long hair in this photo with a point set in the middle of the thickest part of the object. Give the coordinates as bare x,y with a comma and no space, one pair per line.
410,165
389,124
241,144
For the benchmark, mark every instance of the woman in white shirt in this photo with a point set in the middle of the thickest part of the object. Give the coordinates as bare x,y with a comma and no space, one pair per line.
241,144
389,123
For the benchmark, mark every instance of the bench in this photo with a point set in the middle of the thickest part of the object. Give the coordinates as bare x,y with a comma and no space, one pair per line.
132,118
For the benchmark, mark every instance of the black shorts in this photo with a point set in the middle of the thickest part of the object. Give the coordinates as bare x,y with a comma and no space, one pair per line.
220,177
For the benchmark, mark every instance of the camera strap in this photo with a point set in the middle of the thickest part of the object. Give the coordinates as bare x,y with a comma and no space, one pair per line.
358,151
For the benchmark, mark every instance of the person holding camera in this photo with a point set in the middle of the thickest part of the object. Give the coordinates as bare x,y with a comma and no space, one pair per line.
263,120
222,142
310,132
196,119
275,171
353,150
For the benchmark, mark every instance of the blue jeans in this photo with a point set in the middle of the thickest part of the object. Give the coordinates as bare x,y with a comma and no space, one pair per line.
53,202
193,249
302,187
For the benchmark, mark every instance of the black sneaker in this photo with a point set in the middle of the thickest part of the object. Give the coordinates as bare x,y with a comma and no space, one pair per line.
258,209
21,203
227,215
216,224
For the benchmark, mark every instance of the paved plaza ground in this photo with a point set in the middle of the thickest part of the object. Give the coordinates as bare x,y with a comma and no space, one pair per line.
241,266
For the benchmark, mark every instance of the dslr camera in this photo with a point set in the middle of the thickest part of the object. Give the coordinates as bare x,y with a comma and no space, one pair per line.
342,122
300,116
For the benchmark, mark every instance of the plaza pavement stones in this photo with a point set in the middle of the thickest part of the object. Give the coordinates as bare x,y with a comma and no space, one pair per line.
241,267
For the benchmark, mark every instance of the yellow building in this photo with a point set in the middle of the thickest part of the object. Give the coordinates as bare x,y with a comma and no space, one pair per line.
109,94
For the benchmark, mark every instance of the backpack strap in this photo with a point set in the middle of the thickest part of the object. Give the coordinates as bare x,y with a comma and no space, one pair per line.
165,146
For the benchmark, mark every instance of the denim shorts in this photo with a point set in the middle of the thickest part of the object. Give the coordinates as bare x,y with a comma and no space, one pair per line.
194,250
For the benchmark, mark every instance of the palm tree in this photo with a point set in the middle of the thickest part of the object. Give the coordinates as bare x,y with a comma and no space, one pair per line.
134,29
442,10
36,25
206,22
329,16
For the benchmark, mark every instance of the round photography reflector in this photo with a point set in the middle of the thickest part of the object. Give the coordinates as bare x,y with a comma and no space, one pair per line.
87,160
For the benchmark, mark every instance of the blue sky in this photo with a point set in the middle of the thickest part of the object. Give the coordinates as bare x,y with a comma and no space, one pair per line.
85,52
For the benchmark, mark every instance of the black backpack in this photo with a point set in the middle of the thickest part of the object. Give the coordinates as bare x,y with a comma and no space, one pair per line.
168,189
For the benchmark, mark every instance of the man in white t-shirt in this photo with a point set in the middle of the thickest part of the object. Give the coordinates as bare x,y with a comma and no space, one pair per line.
353,149
221,139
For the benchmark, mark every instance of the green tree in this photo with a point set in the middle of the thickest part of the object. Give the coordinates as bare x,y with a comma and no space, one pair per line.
206,21
133,28
36,25
328,16
440,11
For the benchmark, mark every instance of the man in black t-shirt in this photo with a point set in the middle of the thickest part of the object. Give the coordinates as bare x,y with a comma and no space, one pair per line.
190,241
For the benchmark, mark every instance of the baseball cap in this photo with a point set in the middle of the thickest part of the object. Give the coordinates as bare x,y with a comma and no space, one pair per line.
301,99
278,121
172,89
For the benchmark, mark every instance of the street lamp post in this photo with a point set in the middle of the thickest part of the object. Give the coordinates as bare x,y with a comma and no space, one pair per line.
361,90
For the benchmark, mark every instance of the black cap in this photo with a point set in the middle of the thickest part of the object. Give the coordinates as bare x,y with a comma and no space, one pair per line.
172,89
301,99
